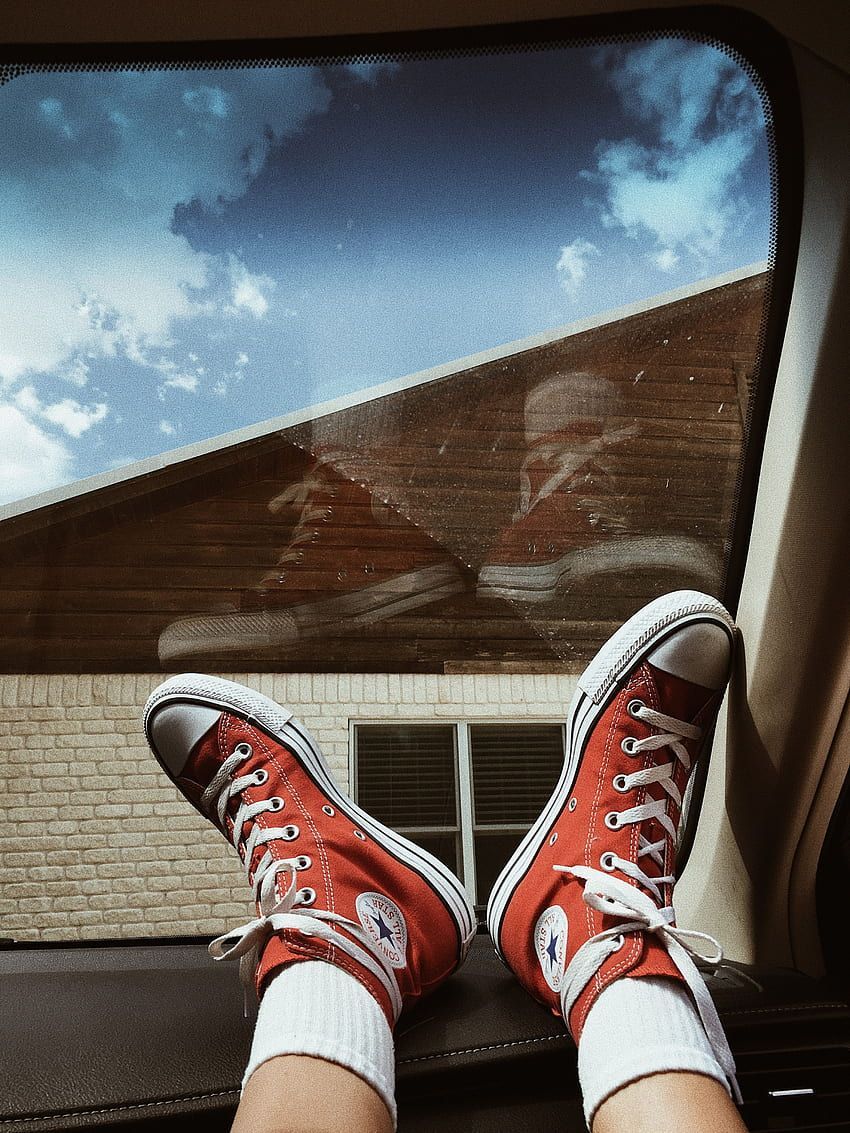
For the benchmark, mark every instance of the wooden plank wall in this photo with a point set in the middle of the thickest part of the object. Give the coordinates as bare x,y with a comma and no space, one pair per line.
91,585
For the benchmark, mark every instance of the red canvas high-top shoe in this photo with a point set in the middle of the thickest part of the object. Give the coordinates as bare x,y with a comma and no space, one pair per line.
330,882
587,897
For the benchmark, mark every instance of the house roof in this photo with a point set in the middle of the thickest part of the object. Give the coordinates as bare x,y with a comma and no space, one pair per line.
115,573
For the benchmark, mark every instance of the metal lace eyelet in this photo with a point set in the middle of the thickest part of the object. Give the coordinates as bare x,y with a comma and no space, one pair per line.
261,776
633,708
303,862
620,783
607,862
306,896
628,745
573,803
612,820
329,811
359,834
243,749
554,838
289,833
276,803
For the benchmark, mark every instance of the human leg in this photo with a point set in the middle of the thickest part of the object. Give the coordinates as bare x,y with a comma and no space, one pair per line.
333,962
583,911
668,1103
297,1094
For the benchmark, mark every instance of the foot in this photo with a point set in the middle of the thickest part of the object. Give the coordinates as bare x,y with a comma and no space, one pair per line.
587,897
330,882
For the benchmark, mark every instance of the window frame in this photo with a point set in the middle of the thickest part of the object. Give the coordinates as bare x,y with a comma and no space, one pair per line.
467,827
765,48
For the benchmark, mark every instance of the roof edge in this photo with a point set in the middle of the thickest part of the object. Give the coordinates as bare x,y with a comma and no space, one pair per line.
78,488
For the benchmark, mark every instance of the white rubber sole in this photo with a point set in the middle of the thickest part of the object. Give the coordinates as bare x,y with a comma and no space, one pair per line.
598,683
539,583
281,725
220,634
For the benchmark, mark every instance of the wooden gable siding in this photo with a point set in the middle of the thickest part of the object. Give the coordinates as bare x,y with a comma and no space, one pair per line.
89,584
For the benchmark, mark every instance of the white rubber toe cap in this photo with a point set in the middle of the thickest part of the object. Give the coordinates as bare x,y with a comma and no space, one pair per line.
174,730
700,653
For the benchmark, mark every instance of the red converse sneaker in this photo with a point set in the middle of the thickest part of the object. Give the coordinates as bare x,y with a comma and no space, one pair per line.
351,560
586,898
330,883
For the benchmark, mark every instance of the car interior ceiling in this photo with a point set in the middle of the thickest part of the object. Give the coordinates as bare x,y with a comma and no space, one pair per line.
769,865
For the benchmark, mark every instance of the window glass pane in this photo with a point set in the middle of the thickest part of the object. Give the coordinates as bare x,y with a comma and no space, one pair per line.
492,850
442,846
406,774
514,770
389,388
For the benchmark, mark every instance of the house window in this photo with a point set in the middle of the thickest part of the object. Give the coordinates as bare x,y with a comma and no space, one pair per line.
407,777
465,792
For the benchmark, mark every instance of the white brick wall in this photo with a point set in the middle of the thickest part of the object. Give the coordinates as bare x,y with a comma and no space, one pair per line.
95,841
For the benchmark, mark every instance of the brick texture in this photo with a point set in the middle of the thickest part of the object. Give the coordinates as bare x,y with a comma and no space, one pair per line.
96,843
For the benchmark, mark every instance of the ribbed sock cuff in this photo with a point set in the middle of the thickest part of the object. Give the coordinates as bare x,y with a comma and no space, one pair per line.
639,1027
317,1009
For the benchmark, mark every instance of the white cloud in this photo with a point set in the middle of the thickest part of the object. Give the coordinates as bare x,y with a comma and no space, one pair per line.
369,73
92,174
572,265
237,374
27,400
248,291
208,100
74,418
186,382
31,461
700,119
76,372
68,415
665,260
167,428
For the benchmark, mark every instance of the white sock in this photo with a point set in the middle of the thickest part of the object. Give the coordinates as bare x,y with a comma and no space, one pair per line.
639,1027
315,1008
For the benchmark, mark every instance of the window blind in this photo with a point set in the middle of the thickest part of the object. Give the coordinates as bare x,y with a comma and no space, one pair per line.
514,770
406,774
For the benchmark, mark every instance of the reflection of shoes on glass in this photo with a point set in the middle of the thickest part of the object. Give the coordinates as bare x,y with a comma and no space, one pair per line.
351,561
330,882
586,897
554,523
570,526
572,522
537,566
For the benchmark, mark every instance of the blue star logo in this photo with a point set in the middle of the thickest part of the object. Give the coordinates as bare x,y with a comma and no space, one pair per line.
384,930
552,949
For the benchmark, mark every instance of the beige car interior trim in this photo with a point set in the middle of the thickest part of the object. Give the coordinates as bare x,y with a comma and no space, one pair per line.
751,880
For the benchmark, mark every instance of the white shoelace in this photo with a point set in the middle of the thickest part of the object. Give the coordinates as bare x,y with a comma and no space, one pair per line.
639,913
290,911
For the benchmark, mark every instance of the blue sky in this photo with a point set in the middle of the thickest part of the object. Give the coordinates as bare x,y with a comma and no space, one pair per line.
190,252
